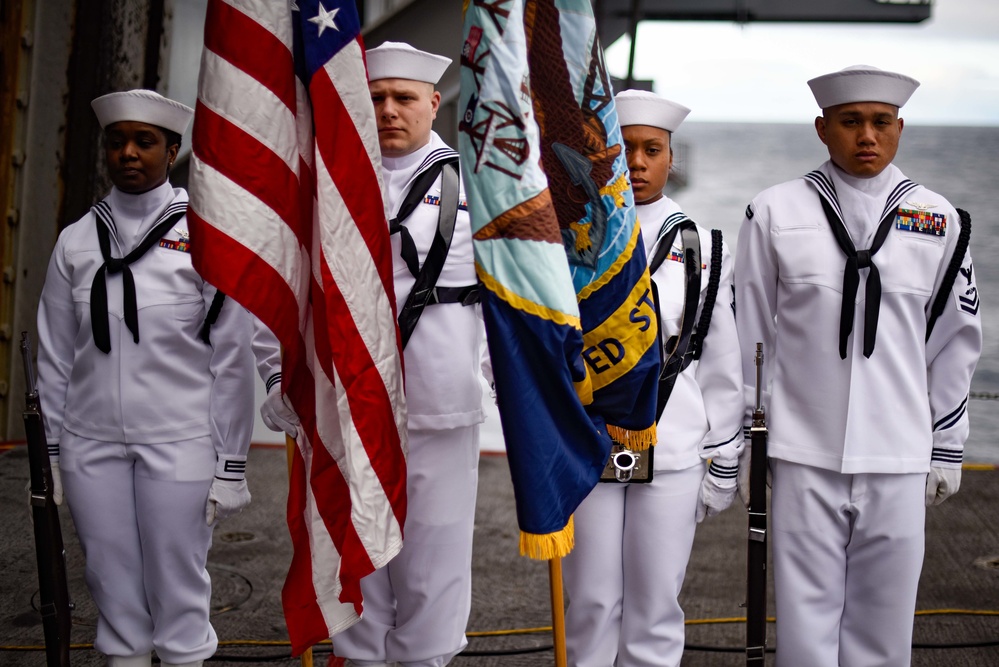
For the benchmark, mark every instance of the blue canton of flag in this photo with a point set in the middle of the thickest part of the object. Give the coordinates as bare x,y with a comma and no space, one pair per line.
327,30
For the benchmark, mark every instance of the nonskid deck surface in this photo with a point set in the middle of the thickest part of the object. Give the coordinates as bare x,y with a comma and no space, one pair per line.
251,553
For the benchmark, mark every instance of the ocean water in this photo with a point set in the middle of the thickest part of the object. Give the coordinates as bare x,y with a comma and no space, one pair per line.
726,165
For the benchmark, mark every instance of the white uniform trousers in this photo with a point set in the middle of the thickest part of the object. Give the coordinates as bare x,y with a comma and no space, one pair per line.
416,607
139,511
625,572
847,552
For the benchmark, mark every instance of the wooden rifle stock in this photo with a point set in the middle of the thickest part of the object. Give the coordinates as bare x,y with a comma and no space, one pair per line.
53,589
756,579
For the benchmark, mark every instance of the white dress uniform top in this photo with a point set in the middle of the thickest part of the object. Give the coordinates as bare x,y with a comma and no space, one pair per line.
633,541
852,438
417,606
144,428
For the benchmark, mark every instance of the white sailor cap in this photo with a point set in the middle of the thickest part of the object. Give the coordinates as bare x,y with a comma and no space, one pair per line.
398,60
862,83
144,106
640,107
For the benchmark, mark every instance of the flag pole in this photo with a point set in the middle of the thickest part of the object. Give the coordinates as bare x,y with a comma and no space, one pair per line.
290,446
558,610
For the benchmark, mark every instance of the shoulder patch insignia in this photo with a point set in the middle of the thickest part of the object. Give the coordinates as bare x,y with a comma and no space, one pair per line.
749,211
966,291
921,221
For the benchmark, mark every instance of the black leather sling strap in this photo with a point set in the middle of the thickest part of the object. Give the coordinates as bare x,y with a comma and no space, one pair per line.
855,261
677,347
113,265
710,295
425,290
950,275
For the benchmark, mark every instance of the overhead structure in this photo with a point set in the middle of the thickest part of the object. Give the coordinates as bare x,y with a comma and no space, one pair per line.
52,70
614,16
436,26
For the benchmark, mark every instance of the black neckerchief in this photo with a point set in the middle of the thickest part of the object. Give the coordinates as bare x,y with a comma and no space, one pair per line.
113,265
858,259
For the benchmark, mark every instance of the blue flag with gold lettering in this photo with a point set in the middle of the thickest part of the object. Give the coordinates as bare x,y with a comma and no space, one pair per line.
567,299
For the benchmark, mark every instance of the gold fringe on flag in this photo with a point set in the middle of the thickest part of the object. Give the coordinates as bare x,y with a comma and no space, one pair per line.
548,546
634,440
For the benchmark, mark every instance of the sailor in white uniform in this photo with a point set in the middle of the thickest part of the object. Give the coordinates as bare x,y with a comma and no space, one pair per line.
837,274
416,608
633,540
144,378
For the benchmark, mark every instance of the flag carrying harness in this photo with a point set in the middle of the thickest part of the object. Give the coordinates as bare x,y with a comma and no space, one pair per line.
686,346
425,292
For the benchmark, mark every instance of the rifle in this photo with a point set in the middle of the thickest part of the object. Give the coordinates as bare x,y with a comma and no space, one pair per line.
53,589
756,579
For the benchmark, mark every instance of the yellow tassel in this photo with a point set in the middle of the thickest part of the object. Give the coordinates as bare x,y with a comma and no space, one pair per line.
549,546
635,440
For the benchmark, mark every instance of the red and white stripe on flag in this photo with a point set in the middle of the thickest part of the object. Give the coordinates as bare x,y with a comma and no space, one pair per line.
287,218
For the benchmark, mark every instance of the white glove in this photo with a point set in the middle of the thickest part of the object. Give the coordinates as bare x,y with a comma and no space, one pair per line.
53,449
941,484
718,489
56,485
744,465
229,493
744,460
278,414
56,482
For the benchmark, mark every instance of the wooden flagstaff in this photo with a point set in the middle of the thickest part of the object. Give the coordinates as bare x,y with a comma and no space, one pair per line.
290,446
558,610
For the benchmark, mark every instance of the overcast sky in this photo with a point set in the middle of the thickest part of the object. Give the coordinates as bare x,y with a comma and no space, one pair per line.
758,72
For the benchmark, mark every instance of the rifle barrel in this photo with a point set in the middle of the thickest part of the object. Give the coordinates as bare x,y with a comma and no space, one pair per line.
29,369
53,588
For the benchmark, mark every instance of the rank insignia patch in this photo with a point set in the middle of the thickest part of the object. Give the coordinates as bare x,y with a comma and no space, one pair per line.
967,293
183,245
921,221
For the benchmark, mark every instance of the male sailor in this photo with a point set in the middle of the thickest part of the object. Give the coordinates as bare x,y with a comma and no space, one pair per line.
870,343
416,608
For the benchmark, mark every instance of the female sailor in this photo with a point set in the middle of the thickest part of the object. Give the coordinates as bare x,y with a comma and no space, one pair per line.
633,540
145,377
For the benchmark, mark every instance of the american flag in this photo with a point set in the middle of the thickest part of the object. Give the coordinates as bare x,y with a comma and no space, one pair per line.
287,218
